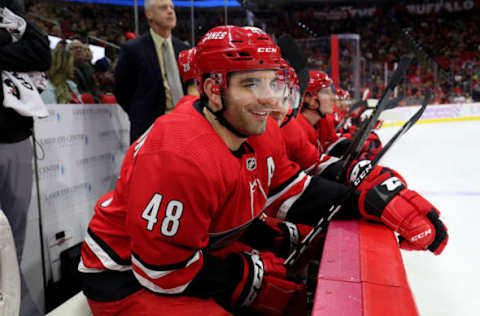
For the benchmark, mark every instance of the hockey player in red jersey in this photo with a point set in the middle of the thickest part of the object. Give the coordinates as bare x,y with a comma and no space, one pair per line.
190,198
189,74
299,148
342,104
329,169
183,232
188,71
373,144
317,109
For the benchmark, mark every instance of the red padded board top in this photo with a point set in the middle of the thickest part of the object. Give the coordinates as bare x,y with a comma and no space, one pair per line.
361,273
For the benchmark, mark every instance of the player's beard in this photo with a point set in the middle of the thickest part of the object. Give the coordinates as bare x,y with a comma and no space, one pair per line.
248,119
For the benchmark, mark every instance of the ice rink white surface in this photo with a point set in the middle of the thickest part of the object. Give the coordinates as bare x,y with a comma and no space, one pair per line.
442,162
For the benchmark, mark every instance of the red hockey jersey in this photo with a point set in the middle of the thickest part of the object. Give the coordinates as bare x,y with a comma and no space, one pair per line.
302,151
299,148
182,192
310,131
326,132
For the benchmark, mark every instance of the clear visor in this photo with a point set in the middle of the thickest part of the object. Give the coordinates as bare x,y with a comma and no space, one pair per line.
333,88
263,85
294,97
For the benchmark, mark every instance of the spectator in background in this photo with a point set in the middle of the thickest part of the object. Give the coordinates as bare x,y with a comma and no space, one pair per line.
103,76
61,88
147,81
83,70
57,31
476,89
23,48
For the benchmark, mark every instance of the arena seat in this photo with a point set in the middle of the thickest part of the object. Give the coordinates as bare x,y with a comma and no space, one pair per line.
87,98
109,99
75,306
9,271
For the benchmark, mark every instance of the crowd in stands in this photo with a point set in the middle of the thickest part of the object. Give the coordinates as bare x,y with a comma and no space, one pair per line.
452,38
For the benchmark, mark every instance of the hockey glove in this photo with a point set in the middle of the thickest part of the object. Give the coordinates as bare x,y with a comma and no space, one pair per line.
384,197
288,237
13,23
370,148
264,287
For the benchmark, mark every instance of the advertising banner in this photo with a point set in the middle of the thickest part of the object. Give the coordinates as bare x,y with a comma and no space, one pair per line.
80,149
433,113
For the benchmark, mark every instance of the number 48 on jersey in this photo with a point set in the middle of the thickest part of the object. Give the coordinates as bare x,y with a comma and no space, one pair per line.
171,219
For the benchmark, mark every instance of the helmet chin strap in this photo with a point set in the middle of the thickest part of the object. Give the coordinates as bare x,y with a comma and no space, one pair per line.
307,106
219,117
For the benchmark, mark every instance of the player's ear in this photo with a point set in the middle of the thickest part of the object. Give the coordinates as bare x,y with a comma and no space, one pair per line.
212,90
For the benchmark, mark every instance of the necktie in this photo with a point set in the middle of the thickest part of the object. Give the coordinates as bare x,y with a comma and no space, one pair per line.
173,76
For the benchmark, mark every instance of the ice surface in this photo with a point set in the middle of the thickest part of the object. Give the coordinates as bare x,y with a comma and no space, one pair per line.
442,161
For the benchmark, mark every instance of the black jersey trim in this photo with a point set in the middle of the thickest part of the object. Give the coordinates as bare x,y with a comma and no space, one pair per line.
109,286
284,184
110,252
167,267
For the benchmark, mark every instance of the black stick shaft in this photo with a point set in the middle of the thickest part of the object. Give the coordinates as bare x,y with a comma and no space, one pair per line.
297,254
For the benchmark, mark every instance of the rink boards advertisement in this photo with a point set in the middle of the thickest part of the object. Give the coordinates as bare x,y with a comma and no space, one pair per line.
432,114
80,149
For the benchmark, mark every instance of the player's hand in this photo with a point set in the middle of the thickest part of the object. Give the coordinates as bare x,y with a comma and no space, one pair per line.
385,197
14,24
264,287
289,235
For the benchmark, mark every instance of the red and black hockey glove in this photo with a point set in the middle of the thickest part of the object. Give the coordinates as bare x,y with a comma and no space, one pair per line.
384,197
372,147
264,287
288,237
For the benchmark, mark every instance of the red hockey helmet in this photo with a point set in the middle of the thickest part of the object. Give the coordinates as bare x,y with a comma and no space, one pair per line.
319,80
226,49
343,95
292,77
130,35
186,65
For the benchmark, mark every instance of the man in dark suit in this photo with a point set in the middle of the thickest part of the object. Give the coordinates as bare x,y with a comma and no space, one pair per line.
147,81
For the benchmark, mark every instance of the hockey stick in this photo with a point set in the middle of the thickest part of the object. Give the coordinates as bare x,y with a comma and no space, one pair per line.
293,54
297,254
391,104
428,98
355,148
422,56
356,105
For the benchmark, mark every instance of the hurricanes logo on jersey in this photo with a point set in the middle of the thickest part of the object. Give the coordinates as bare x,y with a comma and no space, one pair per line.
251,164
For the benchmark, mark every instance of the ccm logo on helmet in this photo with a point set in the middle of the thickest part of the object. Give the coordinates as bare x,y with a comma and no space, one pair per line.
214,35
266,50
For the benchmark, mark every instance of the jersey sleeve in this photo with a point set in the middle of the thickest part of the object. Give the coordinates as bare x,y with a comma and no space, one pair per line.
300,149
171,200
